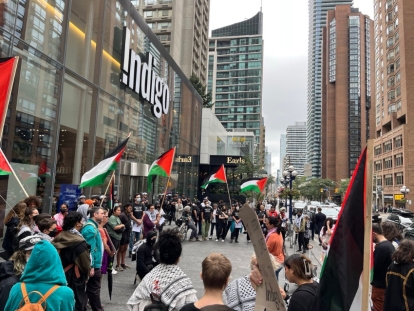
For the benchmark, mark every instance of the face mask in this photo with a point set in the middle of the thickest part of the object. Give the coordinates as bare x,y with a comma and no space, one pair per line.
63,211
53,233
35,217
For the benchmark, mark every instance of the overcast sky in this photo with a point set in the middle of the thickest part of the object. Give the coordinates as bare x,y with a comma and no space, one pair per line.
285,58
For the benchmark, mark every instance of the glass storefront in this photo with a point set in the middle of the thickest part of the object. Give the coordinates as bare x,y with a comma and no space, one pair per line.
68,108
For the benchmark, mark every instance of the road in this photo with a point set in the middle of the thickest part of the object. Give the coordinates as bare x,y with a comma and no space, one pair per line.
190,262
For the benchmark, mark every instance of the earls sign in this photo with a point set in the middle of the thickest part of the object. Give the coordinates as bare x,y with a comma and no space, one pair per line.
137,74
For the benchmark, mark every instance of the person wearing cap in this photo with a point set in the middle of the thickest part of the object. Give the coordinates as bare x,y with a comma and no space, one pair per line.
84,209
11,270
82,200
285,221
43,272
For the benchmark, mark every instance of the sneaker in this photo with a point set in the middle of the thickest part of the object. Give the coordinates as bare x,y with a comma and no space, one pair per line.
222,241
236,241
200,240
249,241
192,240
210,238
299,250
118,268
216,240
231,241
114,272
125,266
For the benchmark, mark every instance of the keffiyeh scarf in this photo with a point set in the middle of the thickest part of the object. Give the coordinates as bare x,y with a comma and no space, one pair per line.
240,295
74,231
169,281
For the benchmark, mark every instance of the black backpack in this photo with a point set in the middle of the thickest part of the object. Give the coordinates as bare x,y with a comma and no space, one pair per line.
156,304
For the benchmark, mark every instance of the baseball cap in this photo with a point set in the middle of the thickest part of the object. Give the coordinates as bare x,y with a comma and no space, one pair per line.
27,243
82,197
283,209
102,197
89,202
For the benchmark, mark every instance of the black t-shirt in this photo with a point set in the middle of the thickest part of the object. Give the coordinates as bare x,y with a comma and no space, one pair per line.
206,210
138,210
382,260
197,209
304,298
126,220
261,214
235,214
192,307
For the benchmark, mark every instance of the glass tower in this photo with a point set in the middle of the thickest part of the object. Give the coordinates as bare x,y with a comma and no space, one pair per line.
235,74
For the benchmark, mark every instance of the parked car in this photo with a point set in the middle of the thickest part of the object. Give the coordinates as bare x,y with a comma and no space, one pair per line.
298,206
330,211
314,203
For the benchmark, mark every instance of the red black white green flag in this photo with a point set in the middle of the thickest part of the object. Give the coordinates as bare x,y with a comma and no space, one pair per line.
253,184
341,275
7,71
218,177
161,166
97,175
5,168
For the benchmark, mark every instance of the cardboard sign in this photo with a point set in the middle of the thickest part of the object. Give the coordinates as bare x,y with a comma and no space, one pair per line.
268,297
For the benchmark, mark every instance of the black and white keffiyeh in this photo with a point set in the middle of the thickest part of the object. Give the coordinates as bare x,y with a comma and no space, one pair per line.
240,295
169,281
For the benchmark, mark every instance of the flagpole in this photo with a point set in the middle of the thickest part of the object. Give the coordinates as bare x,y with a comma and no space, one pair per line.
368,226
227,184
109,184
15,63
165,192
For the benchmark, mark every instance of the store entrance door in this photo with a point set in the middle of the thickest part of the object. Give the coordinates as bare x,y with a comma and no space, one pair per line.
133,180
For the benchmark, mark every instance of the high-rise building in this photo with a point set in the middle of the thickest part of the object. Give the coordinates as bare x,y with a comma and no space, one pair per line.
182,27
348,65
296,146
235,76
394,92
317,20
282,152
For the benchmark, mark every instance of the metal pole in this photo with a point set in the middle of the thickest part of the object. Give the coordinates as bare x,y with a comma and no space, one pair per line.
290,199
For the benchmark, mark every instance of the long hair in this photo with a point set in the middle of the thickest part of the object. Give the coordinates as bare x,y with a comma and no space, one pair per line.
17,210
32,198
19,261
26,220
276,222
404,253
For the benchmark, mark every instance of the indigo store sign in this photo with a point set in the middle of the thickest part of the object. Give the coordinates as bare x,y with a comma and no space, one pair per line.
137,73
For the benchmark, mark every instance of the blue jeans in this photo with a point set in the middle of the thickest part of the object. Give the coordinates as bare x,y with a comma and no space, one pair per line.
278,271
135,236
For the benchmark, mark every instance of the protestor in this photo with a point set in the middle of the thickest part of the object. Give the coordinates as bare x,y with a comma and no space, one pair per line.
12,220
272,212
308,232
213,221
90,232
221,223
151,220
274,241
166,283
61,215
261,215
391,233
325,235
178,209
11,270
33,202
285,221
206,215
108,252
215,273
126,219
190,223
240,294
115,229
26,226
319,223
47,229
75,256
43,273
145,255
382,260
299,227
298,270
230,222
399,295
84,210
237,223
81,200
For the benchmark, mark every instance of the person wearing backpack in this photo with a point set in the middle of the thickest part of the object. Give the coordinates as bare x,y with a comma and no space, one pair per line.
42,285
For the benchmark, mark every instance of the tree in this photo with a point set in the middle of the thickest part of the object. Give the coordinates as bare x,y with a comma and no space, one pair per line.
343,186
311,189
201,89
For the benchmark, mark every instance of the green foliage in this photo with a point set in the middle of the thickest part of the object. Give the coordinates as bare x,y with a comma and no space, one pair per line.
201,89
286,193
311,189
344,186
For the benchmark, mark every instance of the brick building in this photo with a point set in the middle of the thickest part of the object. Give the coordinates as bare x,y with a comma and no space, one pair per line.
348,65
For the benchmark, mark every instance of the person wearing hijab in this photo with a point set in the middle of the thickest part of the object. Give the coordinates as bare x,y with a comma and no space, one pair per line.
84,209
43,273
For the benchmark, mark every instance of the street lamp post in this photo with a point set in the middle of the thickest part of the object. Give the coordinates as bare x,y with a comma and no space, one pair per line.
404,190
290,174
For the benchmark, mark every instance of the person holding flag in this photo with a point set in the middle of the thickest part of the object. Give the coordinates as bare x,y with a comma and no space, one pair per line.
162,166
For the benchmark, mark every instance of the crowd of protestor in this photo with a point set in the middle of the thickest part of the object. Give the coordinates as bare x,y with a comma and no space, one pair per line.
58,261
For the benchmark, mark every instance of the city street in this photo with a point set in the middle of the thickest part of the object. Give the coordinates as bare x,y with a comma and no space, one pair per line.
190,263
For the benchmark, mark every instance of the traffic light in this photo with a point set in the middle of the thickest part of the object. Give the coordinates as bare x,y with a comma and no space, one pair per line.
321,189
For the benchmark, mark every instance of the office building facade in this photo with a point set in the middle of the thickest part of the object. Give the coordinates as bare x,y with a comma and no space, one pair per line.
347,83
394,92
182,27
235,76
317,20
296,147
282,152
74,99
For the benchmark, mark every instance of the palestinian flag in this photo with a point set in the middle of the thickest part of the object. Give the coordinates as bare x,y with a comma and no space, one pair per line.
7,71
97,175
218,177
253,184
341,275
161,166
5,168
44,170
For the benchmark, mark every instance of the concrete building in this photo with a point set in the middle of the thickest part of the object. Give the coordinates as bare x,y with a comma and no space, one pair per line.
394,92
182,27
235,76
348,65
296,147
317,20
